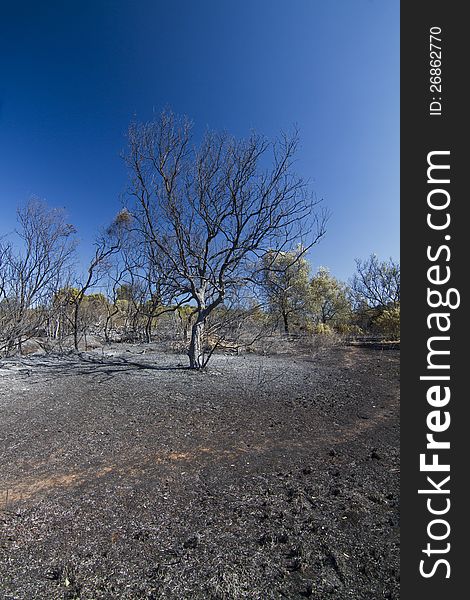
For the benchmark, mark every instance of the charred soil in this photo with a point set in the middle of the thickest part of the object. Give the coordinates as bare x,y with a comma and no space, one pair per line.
126,475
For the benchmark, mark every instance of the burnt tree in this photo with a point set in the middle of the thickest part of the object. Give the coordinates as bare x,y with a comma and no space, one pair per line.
209,213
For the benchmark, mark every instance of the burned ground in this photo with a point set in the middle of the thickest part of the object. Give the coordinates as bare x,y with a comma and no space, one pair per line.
125,475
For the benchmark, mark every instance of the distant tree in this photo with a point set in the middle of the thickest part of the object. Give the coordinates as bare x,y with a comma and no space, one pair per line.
376,295
125,292
31,270
388,322
207,214
329,302
376,283
285,281
145,286
62,303
183,316
96,310
96,271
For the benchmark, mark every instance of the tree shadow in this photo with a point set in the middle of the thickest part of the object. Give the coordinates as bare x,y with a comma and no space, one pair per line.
81,364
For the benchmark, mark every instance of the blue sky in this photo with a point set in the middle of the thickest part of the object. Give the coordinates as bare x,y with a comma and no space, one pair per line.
76,73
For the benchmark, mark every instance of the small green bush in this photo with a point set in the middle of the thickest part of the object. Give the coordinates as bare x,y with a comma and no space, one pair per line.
348,329
323,329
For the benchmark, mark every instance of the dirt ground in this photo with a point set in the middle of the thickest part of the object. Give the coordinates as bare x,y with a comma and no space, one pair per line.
125,475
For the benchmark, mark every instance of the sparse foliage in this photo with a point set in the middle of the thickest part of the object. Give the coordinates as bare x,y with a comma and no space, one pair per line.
285,281
329,303
388,322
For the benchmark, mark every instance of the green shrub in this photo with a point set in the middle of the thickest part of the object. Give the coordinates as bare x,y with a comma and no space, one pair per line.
348,329
388,322
323,329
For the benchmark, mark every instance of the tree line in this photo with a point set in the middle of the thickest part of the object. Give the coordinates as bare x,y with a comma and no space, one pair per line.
213,244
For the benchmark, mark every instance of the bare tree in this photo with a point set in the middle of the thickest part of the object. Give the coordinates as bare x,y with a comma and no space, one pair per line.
97,268
151,292
31,270
208,214
375,295
376,283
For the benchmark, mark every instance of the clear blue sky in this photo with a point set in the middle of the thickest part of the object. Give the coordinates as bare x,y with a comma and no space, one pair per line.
74,73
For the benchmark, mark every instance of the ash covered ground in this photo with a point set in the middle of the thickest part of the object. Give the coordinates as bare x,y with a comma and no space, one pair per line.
125,475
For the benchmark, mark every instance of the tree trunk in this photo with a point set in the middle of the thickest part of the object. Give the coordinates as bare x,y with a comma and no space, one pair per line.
148,330
286,323
107,325
196,346
186,324
197,356
75,327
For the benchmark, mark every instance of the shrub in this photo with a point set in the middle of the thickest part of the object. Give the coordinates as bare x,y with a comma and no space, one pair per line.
348,329
323,329
388,322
